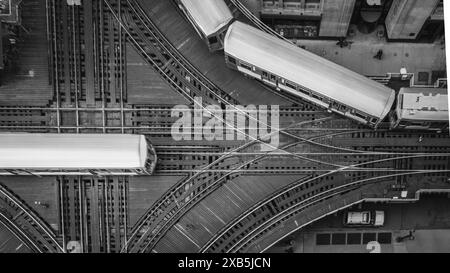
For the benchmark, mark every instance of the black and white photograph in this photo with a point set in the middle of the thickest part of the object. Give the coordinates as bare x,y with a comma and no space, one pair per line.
266,128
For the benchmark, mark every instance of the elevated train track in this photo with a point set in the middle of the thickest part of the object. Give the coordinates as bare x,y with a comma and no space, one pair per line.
27,224
104,228
242,236
20,237
217,212
178,32
182,198
95,101
149,230
155,48
152,119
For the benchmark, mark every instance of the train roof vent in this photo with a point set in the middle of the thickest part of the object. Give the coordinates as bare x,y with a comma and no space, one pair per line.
423,102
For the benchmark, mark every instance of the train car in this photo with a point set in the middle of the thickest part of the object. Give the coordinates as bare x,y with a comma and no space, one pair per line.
289,68
421,109
210,19
75,154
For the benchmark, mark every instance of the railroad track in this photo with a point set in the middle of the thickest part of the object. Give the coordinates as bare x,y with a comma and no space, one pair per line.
248,237
30,227
191,188
285,198
161,54
132,21
88,70
104,228
303,194
401,156
173,204
172,66
151,119
19,233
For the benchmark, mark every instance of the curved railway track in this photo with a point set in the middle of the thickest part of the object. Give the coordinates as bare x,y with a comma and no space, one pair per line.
226,164
146,35
149,35
137,27
19,233
286,199
245,238
30,226
186,189
189,192
161,54
366,172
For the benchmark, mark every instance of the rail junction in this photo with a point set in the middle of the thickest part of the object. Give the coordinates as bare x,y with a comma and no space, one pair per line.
233,196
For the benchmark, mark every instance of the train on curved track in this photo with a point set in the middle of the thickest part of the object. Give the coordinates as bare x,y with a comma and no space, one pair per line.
76,154
286,67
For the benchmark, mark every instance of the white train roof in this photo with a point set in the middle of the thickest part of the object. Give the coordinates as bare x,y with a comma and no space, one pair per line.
308,70
423,104
72,151
209,15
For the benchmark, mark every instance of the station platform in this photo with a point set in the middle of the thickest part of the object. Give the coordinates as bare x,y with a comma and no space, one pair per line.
359,56
415,57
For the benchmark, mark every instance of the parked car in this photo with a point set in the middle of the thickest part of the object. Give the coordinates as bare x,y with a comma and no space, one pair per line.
364,218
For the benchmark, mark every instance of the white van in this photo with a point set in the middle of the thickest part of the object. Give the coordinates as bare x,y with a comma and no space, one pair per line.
364,218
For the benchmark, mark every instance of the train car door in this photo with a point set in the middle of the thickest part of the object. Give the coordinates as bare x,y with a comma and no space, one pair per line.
270,79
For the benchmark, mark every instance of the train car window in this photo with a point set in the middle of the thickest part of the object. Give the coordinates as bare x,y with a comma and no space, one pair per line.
289,84
273,77
316,97
265,74
359,115
246,66
232,60
304,91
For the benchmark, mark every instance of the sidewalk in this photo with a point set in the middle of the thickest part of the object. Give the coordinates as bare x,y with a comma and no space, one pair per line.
359,55
430,241
416,57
